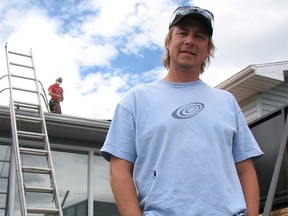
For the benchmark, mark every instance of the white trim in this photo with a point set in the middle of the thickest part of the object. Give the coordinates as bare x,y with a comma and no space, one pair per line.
90,184
254,79
259,101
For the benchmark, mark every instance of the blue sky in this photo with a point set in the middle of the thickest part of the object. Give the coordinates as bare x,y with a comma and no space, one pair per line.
102,48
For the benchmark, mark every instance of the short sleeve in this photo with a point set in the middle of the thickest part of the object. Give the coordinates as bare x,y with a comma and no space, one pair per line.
245,146
120,140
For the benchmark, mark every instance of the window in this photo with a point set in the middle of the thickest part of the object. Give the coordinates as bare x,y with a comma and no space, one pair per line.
104,203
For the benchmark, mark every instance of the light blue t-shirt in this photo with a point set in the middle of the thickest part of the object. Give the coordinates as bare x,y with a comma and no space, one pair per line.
184,140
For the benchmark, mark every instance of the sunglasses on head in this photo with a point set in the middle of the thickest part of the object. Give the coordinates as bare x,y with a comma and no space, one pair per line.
184,10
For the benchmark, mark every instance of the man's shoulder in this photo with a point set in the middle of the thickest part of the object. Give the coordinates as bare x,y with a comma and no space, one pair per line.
219,91
51,86
55,86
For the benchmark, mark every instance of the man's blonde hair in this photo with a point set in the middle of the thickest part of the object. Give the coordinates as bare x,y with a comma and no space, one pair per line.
166,55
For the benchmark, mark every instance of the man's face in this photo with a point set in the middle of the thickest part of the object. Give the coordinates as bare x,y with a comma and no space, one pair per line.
189,44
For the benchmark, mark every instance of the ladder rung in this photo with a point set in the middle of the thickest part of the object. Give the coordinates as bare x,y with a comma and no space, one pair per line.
30,151
26,90
42,210
28,118
23,77
5,161
31,134
19,104
39,170
20,54
3,193
3,177
35,189
25,103
21,65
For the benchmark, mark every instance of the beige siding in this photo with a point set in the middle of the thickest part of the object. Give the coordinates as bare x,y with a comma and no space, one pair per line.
265,102
275,98
250,109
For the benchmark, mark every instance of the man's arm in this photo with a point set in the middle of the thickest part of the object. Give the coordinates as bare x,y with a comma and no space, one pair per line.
123,187
50,92
250,187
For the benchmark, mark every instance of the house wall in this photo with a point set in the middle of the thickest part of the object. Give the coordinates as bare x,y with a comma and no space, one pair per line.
274,98
250,108
265,102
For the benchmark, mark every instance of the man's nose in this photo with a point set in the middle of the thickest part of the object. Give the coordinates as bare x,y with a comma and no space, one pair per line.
189,40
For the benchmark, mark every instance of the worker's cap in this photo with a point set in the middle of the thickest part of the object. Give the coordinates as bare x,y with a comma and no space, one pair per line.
203,15
59,79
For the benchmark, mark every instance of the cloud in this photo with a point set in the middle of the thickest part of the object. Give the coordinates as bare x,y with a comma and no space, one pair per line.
94,40
99,92
245,33
97,55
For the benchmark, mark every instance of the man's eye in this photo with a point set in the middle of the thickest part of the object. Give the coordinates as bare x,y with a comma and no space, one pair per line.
199,36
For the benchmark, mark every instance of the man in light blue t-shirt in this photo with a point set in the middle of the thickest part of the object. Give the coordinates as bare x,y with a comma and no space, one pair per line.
178,147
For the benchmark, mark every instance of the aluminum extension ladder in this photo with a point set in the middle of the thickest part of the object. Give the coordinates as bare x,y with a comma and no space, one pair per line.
30,138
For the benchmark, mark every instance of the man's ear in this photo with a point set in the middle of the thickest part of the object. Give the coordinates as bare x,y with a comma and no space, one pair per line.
208,51
167,46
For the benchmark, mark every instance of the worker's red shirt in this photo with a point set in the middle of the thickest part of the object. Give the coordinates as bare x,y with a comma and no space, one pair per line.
56,89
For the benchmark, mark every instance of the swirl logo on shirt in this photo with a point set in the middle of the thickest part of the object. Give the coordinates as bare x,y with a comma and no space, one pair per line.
188,110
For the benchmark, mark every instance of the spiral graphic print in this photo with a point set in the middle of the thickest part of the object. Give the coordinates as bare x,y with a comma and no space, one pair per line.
188,110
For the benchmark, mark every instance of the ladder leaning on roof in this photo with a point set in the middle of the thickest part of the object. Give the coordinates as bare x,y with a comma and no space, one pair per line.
30,137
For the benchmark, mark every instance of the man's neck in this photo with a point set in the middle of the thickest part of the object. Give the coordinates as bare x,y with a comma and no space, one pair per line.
182,75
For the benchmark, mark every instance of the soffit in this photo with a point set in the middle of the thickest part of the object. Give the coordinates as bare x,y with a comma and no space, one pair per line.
254,79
